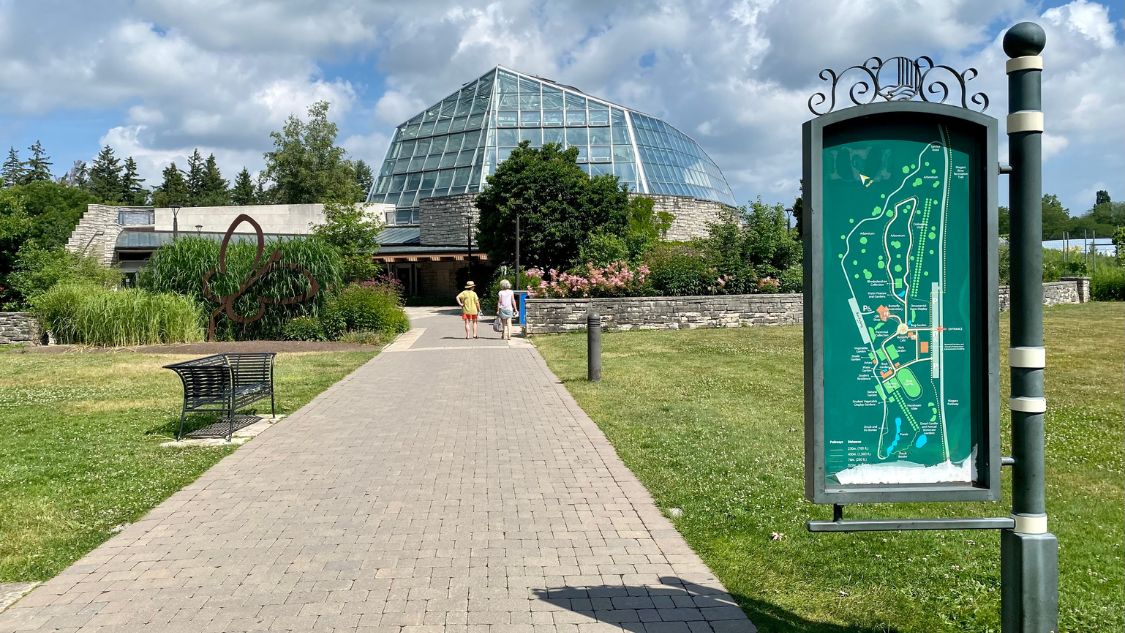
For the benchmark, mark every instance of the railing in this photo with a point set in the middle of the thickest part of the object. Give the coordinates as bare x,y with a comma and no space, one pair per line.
136,217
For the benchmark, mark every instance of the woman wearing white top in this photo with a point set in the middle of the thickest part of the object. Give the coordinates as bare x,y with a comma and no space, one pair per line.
506,302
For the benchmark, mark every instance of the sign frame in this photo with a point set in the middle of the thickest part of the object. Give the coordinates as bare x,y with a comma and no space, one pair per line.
986,324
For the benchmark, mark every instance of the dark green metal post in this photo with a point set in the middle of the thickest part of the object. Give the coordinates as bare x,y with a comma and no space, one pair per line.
1029,575
593,346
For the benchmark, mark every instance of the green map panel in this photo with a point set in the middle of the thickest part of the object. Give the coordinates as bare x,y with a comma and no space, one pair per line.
898,207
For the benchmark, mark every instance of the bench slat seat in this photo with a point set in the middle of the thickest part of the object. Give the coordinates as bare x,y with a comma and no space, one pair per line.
225,383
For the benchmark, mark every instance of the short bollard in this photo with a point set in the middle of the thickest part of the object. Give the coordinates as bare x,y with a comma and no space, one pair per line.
593,347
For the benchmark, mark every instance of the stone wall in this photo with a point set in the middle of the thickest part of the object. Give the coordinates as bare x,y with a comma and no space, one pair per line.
692,215
1066,290
442,221
552,316
96,233
18,327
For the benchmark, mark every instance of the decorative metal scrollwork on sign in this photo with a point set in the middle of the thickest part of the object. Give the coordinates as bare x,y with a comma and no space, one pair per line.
897,79
259,269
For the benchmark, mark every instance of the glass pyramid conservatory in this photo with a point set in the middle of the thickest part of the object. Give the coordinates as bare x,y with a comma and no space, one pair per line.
452,146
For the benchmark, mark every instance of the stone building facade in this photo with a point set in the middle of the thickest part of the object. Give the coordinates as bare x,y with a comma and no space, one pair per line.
692,215
96,233
442,220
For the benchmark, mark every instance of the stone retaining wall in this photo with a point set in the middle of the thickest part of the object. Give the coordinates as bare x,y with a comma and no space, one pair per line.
693,216
1066,290
18,327
553,316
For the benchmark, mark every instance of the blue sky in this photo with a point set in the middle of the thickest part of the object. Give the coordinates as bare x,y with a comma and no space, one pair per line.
157,78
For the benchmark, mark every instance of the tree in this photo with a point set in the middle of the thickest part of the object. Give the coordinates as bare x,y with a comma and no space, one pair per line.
354,234
132,190
214,191
1102,197
105,176
1056,218
173,191
243,192
12,172
77,176
364,178
1004,221
1119,245
40,214
39,165
195,178
798,216
306,166
558,204
769,246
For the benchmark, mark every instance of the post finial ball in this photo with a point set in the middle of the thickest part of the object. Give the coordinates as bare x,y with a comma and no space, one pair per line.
1025,38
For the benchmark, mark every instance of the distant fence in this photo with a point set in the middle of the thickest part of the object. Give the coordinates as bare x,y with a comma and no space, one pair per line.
554,316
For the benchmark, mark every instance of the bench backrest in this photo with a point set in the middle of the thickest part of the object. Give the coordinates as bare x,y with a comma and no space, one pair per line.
206,379
251,368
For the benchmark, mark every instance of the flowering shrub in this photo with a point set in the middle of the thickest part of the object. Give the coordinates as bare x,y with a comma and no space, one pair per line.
614,280
386,283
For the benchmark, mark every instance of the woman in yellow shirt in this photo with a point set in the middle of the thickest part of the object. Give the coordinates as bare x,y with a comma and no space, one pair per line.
470,307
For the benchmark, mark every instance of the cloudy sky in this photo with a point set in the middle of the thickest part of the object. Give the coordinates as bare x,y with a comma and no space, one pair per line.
156,78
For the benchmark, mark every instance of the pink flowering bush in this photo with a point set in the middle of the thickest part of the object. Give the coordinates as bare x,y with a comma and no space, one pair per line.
615,280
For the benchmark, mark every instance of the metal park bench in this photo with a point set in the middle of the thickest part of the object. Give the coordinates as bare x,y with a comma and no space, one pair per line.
225,383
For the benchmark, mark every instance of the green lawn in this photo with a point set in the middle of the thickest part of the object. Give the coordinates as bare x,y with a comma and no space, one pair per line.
711,422
80,451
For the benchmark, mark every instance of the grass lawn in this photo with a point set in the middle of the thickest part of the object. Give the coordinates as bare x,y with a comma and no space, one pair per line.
711,422
80,451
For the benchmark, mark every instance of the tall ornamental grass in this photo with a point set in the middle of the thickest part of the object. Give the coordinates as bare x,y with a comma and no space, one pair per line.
87,314
1108,284
181,266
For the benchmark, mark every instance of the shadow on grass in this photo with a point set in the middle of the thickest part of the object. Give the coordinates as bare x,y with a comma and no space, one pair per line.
681,605
196,422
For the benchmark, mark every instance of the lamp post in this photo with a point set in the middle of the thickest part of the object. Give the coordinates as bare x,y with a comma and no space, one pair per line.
198,229
518,282
468,215
175,221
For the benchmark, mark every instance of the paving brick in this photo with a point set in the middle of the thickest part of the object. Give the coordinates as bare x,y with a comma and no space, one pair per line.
446,485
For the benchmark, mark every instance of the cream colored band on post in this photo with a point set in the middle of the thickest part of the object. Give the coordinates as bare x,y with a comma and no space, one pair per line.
1027,357
1025,121
1027,62
1028,404
1030,524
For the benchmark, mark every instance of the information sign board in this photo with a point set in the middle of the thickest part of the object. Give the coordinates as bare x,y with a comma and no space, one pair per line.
901,362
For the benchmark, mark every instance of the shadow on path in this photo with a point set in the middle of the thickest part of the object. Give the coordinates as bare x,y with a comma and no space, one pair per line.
681,606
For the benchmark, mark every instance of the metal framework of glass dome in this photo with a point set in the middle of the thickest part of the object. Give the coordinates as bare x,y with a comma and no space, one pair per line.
451,147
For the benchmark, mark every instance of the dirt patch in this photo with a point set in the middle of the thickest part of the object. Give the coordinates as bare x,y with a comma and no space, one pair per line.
203,349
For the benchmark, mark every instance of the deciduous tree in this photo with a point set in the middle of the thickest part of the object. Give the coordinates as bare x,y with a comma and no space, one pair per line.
558,203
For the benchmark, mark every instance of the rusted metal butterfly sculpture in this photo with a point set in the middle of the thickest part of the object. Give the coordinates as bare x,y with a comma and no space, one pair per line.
259,269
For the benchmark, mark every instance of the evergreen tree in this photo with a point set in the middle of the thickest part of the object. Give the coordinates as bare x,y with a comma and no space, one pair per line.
105,176
214,192
39,165
363,179
132,190
77,176
195,178
173,191
12,172
1101,197
243,192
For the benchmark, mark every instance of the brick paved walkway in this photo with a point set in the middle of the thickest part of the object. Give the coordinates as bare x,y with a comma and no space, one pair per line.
446,485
